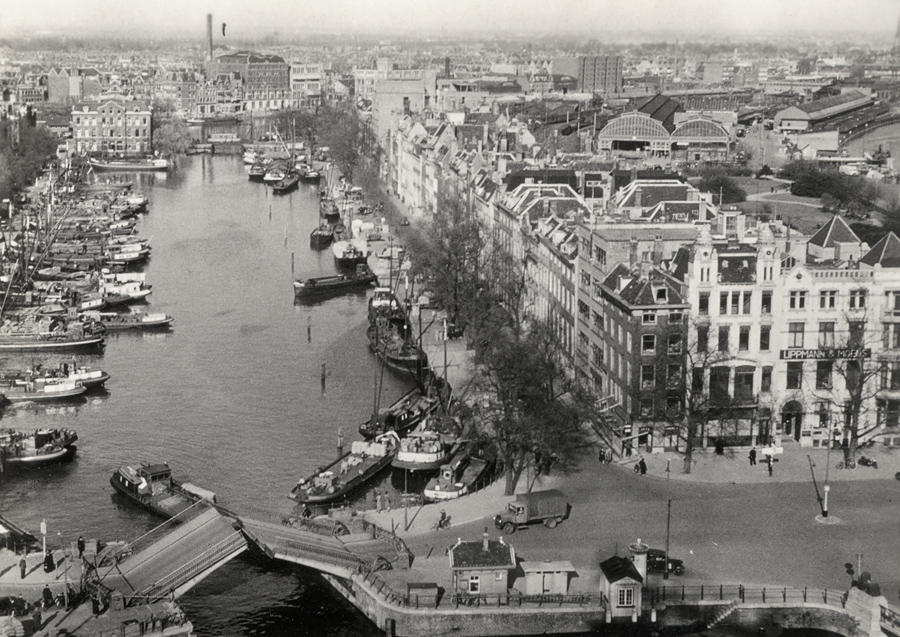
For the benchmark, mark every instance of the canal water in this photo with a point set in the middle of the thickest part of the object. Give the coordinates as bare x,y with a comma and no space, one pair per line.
231,397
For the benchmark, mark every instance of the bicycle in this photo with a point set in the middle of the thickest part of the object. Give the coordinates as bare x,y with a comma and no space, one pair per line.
848,465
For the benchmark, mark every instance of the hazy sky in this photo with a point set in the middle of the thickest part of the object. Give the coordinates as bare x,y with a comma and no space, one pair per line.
252,18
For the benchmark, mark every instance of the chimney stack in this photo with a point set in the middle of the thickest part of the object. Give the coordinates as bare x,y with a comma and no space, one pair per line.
209,39
485,541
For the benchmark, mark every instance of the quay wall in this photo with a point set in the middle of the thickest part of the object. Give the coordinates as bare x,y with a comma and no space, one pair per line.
756,616
399,621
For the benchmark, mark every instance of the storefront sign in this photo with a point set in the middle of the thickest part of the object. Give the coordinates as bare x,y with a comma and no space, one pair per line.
816,354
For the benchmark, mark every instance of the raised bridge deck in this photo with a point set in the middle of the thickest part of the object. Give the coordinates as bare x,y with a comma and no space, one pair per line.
169,560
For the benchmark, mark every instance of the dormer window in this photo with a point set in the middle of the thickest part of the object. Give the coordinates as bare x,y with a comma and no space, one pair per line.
661,295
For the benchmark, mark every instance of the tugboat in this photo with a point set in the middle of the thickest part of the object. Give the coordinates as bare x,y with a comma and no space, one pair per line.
352,470
398,352
36,449
458,477
152,487
321,286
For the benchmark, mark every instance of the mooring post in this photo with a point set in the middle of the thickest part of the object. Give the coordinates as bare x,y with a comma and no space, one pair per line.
323,378
340,448
309,329
292,263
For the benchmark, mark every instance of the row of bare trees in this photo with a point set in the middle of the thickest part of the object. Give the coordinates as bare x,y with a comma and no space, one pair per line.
522,394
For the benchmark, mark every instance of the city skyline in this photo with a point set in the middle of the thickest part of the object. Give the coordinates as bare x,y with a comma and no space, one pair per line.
583,18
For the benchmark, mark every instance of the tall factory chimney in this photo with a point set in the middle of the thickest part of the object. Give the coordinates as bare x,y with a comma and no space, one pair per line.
209,53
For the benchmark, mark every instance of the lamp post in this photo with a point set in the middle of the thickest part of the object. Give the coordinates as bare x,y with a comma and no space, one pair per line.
668,521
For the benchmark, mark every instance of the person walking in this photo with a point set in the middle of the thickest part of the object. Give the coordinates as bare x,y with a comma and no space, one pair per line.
387,502
378,503
49,562
769,462
752,456
643,466
81,546
23,567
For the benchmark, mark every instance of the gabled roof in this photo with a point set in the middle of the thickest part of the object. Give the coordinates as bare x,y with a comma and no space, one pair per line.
471,554
618,568
885,253
836,230
641,291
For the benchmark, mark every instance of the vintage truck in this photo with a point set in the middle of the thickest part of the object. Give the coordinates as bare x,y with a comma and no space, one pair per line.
549,507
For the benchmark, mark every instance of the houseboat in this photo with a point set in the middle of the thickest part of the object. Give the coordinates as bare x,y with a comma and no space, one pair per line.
153,487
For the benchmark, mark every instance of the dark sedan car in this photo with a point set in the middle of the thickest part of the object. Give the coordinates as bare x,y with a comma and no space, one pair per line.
656,563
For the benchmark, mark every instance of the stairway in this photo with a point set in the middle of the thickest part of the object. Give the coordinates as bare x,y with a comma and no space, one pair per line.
722,613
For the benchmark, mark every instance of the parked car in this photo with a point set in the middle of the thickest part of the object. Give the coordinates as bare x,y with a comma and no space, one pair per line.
404,221
656,563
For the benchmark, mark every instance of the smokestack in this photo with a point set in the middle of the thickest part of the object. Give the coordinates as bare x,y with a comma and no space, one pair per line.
484,540
209,44
447,66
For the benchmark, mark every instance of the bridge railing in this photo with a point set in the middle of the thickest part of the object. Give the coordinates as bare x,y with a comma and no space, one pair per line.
891,619
745,594
298,548
442,599
153,535
186,572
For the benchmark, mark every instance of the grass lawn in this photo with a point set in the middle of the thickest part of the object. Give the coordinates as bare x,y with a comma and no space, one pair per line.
804,218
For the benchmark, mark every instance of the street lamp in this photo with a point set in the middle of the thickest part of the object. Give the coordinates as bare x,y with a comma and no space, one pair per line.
668,521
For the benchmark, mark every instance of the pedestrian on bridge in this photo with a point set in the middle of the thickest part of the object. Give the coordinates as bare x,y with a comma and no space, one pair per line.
23,567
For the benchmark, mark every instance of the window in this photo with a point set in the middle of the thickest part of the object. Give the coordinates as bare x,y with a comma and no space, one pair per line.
703,306
626,597
822,410
673,406
646,407
735,302
896,296
673,376
648,343
648,376
674,343
765,384
474,583
723,303
888,413
649,318
702,339
697,379
828,299
719,381
890,376
723,338
795,334
744,338
766,303
857,333
857,299
746,298
826,334
743,384
797,300
823,374
661,294
596,355
795,375
675,318
765,332
598,321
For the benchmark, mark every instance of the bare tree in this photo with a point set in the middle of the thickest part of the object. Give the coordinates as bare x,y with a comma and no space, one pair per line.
859,378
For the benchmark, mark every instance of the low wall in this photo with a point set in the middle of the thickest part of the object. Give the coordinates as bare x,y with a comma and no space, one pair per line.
399,621
756,616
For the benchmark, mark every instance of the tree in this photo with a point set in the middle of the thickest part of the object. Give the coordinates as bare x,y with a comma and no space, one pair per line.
338,128
172,138
718,183
532,412
448,253
860,377
24,151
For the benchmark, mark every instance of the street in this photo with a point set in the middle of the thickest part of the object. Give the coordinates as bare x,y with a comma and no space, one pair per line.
751,534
